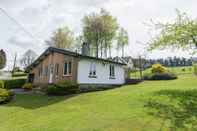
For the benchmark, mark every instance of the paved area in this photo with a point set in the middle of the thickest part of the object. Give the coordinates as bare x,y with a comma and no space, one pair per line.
21,91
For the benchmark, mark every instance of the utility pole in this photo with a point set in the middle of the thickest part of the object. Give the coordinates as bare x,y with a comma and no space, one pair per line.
15,56
140,64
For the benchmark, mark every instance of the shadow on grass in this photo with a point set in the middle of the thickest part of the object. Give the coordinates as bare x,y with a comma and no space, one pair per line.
177,107
34,101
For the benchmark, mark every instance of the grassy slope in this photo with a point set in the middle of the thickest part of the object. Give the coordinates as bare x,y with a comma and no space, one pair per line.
121,109
176,70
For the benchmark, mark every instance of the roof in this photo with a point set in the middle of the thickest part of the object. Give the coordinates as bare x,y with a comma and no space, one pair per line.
69,53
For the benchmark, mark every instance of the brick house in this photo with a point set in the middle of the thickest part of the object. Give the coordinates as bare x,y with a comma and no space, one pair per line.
58,64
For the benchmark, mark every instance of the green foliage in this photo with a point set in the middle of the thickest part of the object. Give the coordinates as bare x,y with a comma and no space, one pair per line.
158,68
62,88
122,40
99,29
160,76
62,38
2,59
13,83
5,96
27,86
19,74
159,72
182,33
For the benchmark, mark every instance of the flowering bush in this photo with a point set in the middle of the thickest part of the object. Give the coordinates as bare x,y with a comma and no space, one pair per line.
158,68
5,96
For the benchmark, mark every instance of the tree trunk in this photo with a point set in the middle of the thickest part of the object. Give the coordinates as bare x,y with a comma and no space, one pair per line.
122,51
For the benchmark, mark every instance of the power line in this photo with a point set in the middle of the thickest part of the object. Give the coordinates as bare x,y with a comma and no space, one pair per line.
17,23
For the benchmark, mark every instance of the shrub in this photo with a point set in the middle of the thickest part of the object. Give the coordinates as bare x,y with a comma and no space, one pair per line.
158,68
14,83
27,86
160,76
5,96
62,88
1,84
19,74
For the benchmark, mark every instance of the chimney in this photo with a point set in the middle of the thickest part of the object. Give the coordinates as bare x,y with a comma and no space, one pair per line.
85,49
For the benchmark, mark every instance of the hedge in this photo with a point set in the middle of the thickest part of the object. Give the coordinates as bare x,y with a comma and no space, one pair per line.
160,76
12,83
63,88
19,74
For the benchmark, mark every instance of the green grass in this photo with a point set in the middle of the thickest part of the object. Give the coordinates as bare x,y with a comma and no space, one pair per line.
148,106
177,70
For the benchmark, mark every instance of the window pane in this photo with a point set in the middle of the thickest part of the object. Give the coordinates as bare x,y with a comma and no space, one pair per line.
65,68
56,69
70,67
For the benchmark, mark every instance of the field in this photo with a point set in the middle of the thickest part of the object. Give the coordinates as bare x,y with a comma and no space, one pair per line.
148,106
177,70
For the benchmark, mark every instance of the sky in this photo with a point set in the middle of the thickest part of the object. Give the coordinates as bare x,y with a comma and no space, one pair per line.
41,17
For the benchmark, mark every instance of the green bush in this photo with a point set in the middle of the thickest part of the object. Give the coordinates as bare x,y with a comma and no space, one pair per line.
5,96
160,76
158,68
27,86
13,83
19,74
62,88
1,84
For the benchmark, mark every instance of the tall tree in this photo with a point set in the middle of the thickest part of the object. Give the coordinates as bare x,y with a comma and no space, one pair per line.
110,28
181,33
122,40
2,59
99,29
62,38
28,57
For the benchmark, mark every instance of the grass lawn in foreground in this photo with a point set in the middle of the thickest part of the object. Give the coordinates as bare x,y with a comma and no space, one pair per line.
148,106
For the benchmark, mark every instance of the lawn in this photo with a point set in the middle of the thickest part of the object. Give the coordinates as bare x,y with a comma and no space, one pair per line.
177,70
148,106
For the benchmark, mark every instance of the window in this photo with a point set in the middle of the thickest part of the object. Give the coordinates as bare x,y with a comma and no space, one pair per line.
92,72
68,68
56,69
46,71
112,71
40,71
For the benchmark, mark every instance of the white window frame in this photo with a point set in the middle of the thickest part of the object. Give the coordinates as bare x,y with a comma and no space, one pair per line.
92,70
112,71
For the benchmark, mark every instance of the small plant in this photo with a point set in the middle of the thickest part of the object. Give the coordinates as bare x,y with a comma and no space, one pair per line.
5,96
158,68
27,86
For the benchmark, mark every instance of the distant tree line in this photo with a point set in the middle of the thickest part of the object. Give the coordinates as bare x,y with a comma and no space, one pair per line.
168,62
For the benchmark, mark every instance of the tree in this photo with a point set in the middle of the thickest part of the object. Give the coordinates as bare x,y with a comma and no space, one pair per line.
2,59
99,30
122,39
28,58
182,33
62,38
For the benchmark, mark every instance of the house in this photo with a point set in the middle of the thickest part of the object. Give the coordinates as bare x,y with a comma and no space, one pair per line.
58,64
